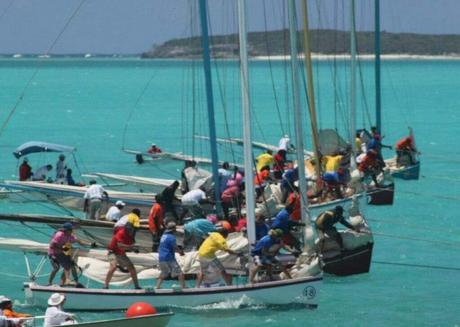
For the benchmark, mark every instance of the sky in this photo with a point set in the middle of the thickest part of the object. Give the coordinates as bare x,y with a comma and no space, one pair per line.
134,26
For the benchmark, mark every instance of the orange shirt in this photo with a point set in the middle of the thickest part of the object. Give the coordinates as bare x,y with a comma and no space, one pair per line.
11,314
404,144
261,177
156,218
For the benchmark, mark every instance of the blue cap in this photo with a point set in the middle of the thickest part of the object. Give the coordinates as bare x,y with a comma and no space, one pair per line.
67,226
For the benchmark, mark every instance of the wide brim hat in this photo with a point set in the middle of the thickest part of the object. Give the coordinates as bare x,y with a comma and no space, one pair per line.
4,299
56,299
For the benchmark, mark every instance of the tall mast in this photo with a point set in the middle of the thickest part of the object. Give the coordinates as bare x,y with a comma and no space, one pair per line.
210,101
352,83
378,100
247,136
308,237
310,88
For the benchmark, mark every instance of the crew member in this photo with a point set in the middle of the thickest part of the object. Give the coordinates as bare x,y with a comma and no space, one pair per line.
93,200
326,221
60,254
121,242
167,258
207,256
264,253
25,171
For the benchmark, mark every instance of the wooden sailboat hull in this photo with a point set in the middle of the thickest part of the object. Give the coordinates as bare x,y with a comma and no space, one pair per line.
407,173
300,290
382,195
350,262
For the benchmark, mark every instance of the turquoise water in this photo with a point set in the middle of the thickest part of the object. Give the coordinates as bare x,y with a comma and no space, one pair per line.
86,103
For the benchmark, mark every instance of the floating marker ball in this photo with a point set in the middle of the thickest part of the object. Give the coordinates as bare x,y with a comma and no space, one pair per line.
140,309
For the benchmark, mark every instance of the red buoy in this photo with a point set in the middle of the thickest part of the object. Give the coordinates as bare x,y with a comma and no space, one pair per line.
140,309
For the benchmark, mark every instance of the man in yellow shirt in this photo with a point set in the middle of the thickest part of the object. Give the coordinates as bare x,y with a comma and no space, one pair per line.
207,255
265,159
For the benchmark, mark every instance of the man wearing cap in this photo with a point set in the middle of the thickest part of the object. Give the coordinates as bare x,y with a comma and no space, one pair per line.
114,212
93,200
207,256
59,253
134,218
154,149
167,257
54,315
325,223
265,251
25,171
122,241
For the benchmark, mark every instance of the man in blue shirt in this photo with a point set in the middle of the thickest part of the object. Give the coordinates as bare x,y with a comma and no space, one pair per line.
265,251
167,257
287,183
282,221
261,227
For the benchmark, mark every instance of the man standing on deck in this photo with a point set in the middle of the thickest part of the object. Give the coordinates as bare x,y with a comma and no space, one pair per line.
93,200
167,257
61,169
59,253
25,171
207,256
156,222
121,242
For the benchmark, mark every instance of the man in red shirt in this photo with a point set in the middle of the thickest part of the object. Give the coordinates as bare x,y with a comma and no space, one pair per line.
25,171
156,221
121,242
405,152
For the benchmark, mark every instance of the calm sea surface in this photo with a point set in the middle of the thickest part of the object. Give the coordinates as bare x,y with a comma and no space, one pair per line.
102,105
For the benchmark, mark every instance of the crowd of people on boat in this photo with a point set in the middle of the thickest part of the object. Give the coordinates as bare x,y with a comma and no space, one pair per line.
64,174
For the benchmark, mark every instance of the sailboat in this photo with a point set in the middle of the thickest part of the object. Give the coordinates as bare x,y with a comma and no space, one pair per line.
355,257
410,169
298,290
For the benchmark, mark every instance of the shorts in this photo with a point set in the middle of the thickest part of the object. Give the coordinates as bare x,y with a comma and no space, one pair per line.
170,268
262,260
61,260
213,263
121,260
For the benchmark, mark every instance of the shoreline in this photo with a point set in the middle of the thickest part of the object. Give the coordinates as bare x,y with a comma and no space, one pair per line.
315,56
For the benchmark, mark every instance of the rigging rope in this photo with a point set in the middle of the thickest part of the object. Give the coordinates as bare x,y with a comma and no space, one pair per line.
452,244
413,265
278,110
32,78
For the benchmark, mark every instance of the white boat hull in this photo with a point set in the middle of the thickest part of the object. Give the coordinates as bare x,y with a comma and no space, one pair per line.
301,290
156,320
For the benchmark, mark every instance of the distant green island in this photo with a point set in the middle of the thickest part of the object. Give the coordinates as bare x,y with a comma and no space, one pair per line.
326,42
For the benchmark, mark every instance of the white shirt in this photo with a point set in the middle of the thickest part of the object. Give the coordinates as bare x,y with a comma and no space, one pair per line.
121,222
60,169
40,174
95,191
114,214
193,197
284,143
54,316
